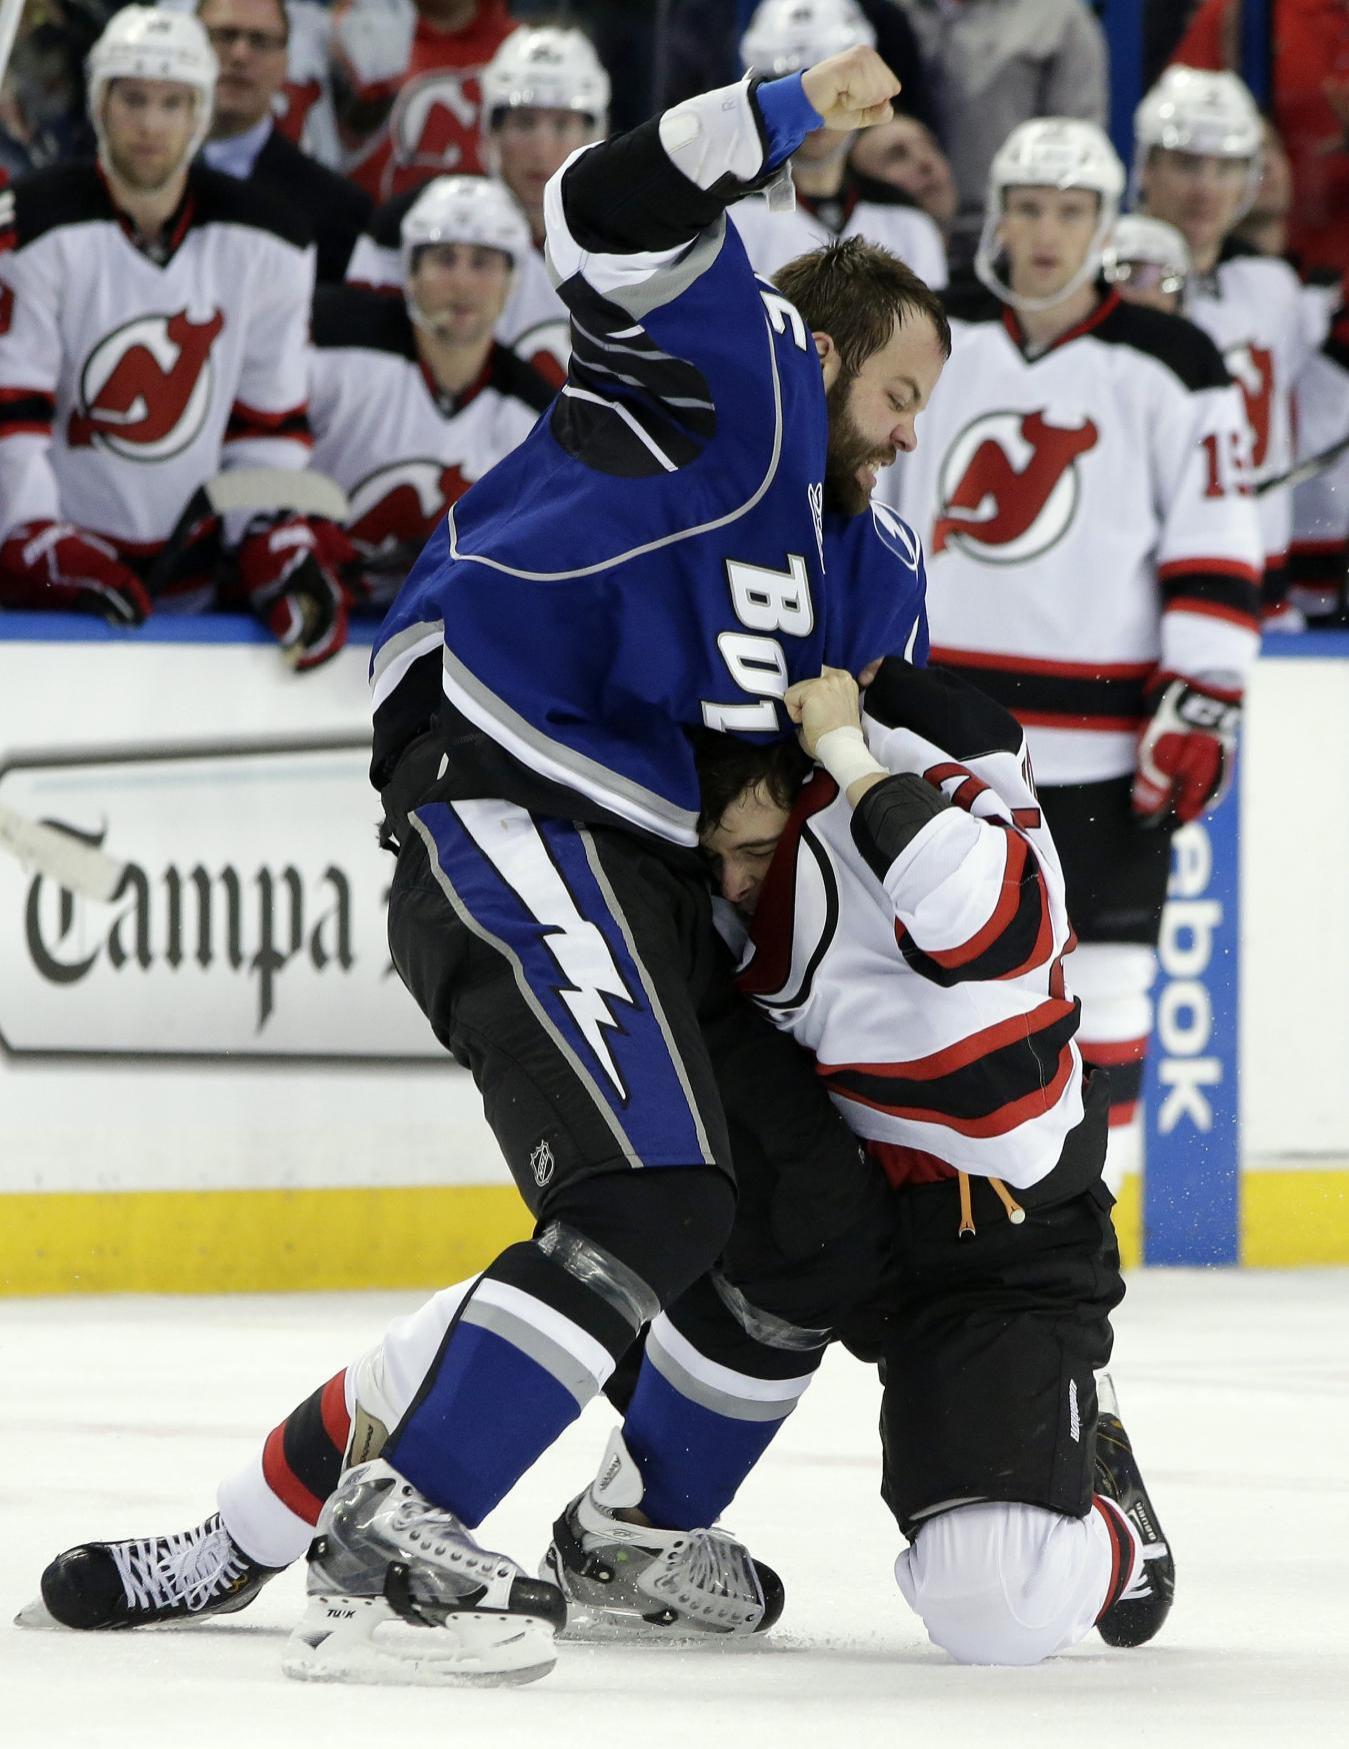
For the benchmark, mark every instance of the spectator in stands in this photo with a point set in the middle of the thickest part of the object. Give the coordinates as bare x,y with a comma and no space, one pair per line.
152,328
250,39
544,94
832,200
42,94
406,77
906,154
994,63
414,399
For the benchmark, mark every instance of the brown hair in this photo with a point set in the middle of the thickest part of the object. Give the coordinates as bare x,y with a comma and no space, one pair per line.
855,292
727,767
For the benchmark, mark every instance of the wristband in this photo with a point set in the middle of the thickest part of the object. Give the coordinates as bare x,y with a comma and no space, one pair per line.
843,754
788,116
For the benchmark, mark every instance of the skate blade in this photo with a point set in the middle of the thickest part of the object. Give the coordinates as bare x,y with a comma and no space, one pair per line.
36,1615
344,1639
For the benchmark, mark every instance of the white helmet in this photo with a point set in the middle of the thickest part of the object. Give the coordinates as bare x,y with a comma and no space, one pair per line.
1050,152
787,36
1140,241
546,67
461,209
150,42
1210,114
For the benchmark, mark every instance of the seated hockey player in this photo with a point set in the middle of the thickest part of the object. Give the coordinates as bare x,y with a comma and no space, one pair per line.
152,326
411,402
544,93
658,554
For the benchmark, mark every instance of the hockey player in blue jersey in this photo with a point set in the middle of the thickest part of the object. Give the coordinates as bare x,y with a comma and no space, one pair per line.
683,536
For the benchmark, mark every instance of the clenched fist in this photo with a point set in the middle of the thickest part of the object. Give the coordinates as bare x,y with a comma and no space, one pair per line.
851,90
830,701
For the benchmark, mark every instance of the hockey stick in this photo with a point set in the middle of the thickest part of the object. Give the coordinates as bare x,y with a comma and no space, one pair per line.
60,855
298,490
1308,470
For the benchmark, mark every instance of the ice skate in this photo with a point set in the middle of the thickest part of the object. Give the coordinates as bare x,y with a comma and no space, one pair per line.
1143,1608
632,1582
399,1592
147,1581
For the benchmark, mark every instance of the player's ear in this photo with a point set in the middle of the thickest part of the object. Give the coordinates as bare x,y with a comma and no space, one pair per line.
830,362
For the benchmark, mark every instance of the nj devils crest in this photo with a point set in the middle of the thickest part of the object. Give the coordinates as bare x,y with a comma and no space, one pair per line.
1009,487
145,390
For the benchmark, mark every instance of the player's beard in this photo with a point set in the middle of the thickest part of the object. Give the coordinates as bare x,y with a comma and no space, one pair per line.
848,451
132,176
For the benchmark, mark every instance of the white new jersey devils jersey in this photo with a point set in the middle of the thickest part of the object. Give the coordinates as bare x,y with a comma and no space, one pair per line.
1258,314
863,208
915,948
401,449
126,379
534,323
1087,520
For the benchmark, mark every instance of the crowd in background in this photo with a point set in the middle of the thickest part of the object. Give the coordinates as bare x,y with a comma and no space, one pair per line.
366,117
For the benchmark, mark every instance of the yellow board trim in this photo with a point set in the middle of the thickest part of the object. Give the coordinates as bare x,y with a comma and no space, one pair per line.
253,1241
1129,1221
1294,1217
269,1241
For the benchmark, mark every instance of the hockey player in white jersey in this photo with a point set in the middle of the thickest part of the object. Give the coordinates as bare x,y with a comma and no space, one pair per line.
1197,164
832,200
907,925
411,402
1094,558
545,93
152,326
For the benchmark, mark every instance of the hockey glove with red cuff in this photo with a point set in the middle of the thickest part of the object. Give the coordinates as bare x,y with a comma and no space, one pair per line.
56,565
290,573
1187,752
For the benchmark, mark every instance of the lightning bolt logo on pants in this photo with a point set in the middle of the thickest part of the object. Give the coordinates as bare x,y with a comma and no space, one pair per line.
590,979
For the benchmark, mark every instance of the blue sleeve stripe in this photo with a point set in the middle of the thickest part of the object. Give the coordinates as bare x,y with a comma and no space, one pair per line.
788,116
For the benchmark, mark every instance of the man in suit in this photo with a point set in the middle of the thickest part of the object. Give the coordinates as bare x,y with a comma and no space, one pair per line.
250,38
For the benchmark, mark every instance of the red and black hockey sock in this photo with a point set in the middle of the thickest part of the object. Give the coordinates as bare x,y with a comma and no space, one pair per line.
302,1460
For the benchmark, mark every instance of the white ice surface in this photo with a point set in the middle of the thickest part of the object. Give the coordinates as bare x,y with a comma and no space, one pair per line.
121,1413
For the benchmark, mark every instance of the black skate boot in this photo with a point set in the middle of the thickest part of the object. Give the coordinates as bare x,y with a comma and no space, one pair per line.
626,1581
1140,1612
145,1581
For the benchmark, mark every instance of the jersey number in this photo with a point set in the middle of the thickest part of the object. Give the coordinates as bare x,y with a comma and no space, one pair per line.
1226,452
764,601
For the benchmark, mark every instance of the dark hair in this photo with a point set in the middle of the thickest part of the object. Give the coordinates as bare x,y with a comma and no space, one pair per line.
282,14
727,767
855,292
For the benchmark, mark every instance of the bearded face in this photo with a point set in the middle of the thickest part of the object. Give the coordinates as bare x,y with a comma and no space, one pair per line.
853,459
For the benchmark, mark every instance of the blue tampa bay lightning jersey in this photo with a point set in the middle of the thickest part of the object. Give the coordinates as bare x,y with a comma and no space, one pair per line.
655,556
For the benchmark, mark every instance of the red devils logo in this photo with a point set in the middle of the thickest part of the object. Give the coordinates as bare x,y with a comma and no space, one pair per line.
1253,368
145,391
434,125
1009,487
397,507
299,97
